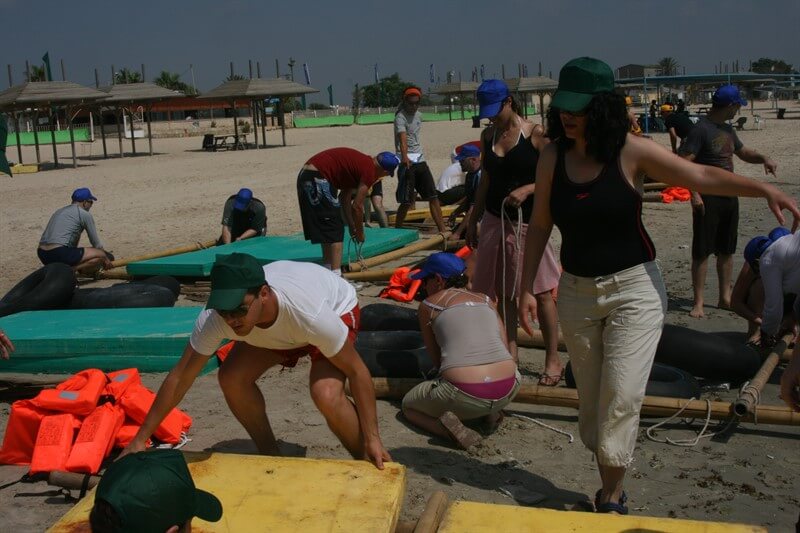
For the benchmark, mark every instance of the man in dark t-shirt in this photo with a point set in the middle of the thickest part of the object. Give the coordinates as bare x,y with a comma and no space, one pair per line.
243,217
678,126
715,219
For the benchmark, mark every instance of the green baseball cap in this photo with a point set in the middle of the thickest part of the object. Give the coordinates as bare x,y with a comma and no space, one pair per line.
231,276
579,81
3,138
153,491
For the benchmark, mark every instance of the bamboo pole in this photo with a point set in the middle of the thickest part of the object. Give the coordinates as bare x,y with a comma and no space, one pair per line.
380,274
652,197
750,394
529,393
655,186
422,214
426,244
433,513
72,480
164,253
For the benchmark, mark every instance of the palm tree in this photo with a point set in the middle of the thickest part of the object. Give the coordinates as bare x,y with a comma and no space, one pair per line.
38,73
234,77
668,65
172,81
126,75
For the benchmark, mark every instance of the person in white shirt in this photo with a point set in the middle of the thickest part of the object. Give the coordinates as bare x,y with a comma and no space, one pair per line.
276,314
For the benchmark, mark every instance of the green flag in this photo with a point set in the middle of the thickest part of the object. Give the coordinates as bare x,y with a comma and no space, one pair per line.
3,138
46,59
330,95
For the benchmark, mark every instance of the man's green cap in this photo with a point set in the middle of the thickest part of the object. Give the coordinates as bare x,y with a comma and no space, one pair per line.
153,491
3,138
579,81
231,276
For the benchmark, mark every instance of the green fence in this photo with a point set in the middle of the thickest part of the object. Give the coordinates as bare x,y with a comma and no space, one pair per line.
46,137
382,118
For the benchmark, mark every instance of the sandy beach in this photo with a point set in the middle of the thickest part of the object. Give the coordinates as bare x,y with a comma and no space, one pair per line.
175,198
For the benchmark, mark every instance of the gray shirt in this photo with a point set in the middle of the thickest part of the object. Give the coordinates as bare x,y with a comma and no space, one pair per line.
410,125
779,267
712,144
67,224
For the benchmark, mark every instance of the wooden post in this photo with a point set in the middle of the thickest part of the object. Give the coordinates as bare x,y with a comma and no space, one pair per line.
263,119
53,134
16,132
27,70
277,69
133,133
258,69
63,72
10,77
36,135
282,120
149,129
231,69
117,114
113,75
461,99
96,80
254,118
143,76
250,67
102,130
68,111
235,120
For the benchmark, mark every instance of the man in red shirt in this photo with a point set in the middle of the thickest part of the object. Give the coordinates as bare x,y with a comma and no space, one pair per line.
325,191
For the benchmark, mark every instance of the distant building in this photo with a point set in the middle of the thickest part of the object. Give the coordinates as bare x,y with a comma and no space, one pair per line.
637,71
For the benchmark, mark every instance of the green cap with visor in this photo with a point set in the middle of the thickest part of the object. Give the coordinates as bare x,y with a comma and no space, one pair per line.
231,276
579,81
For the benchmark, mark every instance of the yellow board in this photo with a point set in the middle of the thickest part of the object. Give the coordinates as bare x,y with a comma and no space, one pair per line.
277,494
419,215
468,517
24,169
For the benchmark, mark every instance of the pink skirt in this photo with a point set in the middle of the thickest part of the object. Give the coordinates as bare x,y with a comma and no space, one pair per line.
492,246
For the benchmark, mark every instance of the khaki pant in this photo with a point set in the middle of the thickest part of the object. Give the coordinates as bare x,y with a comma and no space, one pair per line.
435,397
612,325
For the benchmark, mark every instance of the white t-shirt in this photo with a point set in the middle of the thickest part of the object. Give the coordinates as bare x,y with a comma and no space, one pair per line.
452,176
311,300
780,273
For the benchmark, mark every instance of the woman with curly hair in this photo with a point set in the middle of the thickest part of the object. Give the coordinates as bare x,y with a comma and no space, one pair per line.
503,203
611,297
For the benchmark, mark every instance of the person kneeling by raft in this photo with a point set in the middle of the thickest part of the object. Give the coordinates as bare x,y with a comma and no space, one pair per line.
466,339
277,314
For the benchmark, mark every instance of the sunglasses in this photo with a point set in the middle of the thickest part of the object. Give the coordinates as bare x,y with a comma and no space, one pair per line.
236,312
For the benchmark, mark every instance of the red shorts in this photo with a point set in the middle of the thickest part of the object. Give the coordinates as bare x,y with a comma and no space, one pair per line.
351,319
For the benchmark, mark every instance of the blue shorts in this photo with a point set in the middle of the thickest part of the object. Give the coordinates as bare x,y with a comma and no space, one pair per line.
62,254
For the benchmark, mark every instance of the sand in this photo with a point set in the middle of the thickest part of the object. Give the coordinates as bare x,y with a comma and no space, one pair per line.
174,198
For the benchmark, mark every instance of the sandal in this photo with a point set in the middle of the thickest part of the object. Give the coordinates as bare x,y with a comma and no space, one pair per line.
461,434
611,507
551,380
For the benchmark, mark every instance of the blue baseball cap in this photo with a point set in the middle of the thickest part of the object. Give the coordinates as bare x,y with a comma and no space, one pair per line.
82,194
777,233
468,150
491,95
728,95
243,198
754,249
445,264
388,162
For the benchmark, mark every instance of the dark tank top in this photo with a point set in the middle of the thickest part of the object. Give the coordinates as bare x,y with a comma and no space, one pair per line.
600,222
515,169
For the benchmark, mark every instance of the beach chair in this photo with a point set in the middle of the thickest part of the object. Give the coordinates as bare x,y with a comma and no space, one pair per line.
740,122
208,142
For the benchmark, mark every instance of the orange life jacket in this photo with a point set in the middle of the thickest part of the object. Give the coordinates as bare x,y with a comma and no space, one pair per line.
680,194
224,350
402,288
126,434
21,431
464,252
136,403
53,442
77,395
95,439
119,381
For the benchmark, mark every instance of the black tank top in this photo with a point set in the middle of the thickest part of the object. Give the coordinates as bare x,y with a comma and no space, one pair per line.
515,169
600,222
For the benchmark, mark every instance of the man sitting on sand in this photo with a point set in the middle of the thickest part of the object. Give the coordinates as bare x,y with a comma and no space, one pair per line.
325,188
715,219
470,160
243,217
59,242
277,314
150,491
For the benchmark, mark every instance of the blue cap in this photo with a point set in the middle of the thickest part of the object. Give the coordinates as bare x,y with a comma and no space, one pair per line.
243,198
778,232
754,249
728,95
388,162
491,95
82,195
468,150
445,264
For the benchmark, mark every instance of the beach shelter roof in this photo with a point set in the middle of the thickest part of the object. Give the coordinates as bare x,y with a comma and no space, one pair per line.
687,79
458,87
127,93
535,84
257,88
47,93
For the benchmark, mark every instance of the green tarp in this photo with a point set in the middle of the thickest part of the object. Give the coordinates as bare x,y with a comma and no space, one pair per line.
383,118
65,341
271,248
45,137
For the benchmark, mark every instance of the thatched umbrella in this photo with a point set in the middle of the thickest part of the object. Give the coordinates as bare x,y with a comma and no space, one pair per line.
130,94
48,94
257,90
540,85
459,88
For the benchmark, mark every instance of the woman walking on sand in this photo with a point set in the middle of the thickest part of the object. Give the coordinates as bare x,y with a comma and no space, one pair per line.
611,297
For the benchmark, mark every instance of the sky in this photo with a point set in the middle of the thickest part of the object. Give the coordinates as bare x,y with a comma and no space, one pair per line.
342,41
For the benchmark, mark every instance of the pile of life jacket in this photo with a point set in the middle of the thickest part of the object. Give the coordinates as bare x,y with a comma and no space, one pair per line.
402,288
75,426
672,194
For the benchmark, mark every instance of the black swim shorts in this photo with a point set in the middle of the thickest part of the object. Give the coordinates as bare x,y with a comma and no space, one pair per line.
320,211
417,178
717,229
63,254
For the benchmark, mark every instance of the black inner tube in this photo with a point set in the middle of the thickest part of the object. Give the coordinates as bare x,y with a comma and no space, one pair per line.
49,287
